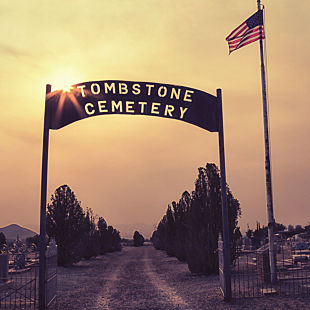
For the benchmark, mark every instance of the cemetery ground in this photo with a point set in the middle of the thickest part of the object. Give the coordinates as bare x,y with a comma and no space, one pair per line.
142,278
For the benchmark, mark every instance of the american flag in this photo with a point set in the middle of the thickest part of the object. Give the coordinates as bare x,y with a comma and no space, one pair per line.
249,31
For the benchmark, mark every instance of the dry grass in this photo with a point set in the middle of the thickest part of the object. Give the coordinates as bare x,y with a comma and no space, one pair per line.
146,279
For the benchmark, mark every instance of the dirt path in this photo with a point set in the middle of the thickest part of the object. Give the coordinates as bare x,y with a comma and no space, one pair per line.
166,291
135,285
146,279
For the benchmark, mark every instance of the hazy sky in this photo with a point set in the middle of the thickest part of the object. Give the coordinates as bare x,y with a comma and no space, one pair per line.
129,168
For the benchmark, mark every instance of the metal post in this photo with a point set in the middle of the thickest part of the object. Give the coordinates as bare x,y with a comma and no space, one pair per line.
267,163
226,243
42,267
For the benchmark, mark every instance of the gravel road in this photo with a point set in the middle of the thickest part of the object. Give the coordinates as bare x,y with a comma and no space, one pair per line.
146,279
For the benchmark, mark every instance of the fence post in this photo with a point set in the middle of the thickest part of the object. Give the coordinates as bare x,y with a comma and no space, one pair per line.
4,267
51,274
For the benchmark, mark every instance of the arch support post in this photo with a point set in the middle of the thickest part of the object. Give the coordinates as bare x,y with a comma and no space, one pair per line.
226,272
42,240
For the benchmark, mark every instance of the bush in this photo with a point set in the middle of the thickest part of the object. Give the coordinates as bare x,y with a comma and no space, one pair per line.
138,239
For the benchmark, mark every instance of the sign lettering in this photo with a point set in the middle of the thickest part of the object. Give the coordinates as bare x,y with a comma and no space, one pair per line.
135,98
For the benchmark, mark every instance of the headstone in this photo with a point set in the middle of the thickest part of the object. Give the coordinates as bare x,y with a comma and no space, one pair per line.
19,261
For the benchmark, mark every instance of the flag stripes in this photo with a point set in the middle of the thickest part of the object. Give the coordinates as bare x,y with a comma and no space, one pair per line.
248,32
249,37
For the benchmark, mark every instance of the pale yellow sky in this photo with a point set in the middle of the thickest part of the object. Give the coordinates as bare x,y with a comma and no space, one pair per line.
127,169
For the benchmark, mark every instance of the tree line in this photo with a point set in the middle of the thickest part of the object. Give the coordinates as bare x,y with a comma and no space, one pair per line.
259,236
2,243
76,231
190,228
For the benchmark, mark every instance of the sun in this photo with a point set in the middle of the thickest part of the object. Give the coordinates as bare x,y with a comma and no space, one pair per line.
63,81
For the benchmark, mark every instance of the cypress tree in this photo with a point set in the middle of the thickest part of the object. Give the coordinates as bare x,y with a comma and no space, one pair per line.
65,222
190,229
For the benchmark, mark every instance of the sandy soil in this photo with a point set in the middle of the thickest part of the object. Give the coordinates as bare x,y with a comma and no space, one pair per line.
146,279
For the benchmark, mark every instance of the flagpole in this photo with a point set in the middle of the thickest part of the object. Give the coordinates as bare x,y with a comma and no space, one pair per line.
42,259
271,220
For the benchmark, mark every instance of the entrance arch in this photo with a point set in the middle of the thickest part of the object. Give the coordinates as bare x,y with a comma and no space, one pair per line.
95,98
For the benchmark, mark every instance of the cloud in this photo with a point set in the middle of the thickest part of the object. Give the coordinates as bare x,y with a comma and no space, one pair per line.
12,51
27,134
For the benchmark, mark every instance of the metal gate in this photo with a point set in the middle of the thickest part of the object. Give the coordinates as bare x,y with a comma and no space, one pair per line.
18,287
19,279
251,273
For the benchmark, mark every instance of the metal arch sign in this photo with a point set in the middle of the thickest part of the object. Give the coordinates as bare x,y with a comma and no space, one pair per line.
132,98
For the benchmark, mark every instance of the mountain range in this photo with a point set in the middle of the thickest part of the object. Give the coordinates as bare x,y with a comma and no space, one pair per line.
12,231
127,230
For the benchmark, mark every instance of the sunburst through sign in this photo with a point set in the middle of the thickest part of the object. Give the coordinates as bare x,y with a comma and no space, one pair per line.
132,98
